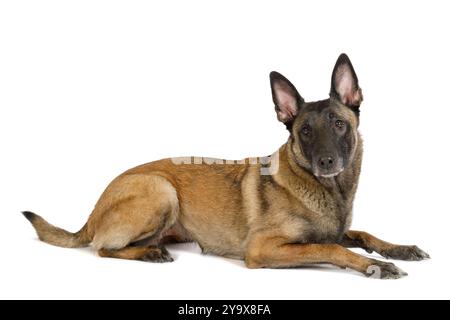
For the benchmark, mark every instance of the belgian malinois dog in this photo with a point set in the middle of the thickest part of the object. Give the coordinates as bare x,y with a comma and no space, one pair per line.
290,209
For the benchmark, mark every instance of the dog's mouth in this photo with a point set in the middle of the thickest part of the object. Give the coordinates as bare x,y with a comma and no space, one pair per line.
328,174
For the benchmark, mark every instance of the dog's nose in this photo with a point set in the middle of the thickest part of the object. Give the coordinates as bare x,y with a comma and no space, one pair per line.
326,162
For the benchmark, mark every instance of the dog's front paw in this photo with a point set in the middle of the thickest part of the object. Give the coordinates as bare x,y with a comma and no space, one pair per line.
410,253
384,270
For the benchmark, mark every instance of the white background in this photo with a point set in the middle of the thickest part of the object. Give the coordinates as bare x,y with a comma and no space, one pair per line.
89,89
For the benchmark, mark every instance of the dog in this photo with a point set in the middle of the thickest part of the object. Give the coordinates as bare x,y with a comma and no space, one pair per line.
290,209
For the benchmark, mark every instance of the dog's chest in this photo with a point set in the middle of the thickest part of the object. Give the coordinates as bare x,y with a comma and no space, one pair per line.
331,215
324,226
315,218
327,227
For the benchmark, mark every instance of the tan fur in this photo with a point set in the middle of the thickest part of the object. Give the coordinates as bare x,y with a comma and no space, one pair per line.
218,206
270,214
229,209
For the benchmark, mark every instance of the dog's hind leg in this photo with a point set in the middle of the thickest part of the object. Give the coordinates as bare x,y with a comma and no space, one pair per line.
150,254
132,210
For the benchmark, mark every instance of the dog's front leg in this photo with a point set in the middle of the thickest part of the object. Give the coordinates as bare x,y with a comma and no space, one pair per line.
360,239
279,253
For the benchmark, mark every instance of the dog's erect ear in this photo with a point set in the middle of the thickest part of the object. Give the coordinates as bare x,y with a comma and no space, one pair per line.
286,98
344,83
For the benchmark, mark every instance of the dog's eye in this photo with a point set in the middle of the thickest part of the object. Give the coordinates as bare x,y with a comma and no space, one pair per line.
339,123
306,129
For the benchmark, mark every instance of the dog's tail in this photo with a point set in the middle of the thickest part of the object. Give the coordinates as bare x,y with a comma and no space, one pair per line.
56,236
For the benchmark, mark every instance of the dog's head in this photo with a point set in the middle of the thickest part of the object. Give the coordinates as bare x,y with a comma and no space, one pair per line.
324,133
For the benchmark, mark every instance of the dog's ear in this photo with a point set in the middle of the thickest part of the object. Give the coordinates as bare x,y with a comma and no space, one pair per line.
344,83
286,98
